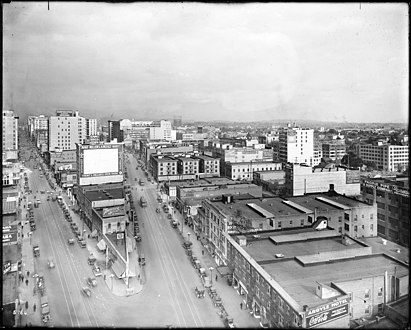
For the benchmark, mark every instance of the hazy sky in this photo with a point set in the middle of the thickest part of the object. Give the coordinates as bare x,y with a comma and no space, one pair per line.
333,62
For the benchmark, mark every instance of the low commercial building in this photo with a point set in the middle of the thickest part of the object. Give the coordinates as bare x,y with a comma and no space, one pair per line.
393,207
303,179
271,181
245,170
230,215
307,277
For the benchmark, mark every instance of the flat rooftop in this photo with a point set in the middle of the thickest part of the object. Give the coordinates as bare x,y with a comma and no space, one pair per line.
271,206
300,282
98,195
389,248
265,249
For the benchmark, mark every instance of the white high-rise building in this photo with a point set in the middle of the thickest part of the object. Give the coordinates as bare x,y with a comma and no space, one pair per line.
387,157
91,127
10,130
163,132
297,146
37,123
66,129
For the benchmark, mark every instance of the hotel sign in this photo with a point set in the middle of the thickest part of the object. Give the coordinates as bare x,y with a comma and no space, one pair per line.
326,313
388,188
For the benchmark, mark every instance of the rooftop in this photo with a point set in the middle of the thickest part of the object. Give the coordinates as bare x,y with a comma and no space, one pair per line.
99,195
300,282
119,244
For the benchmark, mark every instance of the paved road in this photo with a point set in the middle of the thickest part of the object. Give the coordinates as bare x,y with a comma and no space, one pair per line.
169,279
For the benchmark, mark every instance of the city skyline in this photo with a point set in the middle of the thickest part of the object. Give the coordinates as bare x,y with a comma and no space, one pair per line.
243,62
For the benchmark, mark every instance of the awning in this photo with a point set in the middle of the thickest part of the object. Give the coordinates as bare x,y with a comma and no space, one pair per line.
118,269
101,245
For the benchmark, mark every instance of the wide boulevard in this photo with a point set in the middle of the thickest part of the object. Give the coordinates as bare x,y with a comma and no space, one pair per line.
169,279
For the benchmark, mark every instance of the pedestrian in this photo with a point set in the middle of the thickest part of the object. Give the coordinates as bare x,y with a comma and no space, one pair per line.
27,282
34,307
241,305
216,278
27,304
28,273
202,251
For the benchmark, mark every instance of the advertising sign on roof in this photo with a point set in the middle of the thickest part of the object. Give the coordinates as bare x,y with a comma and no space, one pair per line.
113,211
326,313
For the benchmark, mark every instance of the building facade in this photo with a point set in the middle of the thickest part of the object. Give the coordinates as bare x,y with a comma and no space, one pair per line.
345,215
334,149
10,131
297,146
304,179
66,129
393,207
293,279
387,157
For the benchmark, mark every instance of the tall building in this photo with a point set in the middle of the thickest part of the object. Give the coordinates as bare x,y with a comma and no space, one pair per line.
334,149
91,128
10,130
297,145
114,131
36,123
386,157
163,132
66,129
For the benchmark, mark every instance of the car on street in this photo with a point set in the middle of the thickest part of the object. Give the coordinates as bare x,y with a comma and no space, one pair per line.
51,263
96,270
86,291
91,281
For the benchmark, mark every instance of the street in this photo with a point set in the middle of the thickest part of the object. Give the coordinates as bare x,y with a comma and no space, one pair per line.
168,296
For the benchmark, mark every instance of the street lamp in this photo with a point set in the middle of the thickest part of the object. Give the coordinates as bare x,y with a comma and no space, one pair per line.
211,272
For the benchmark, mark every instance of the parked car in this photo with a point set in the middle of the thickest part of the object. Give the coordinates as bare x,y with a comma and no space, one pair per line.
91,281
51,263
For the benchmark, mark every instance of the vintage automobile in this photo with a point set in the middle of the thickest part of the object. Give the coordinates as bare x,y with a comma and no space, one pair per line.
158,210
96,270
51,263
91,281
36,251
91,260
86,291
71,241
199,293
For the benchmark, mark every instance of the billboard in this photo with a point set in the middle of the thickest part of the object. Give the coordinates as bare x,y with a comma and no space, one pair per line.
100,163
326,313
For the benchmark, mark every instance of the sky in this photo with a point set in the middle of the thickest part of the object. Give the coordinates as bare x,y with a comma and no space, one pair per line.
240,62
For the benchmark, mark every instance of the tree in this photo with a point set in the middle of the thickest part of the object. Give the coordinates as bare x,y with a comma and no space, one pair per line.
352,160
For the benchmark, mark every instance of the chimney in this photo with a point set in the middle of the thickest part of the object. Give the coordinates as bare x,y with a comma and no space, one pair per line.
331,191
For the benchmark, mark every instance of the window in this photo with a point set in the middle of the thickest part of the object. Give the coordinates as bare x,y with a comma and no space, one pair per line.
367,293
279,224
380,292
371,216
340,219
302,222
268,305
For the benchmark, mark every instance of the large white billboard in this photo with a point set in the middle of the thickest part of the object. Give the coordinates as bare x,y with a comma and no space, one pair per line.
100,161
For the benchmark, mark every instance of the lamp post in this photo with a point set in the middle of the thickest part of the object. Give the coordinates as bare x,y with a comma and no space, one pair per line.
211,272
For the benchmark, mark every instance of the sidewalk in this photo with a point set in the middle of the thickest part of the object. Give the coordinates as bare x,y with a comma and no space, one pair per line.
26,292
117,286
230,298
